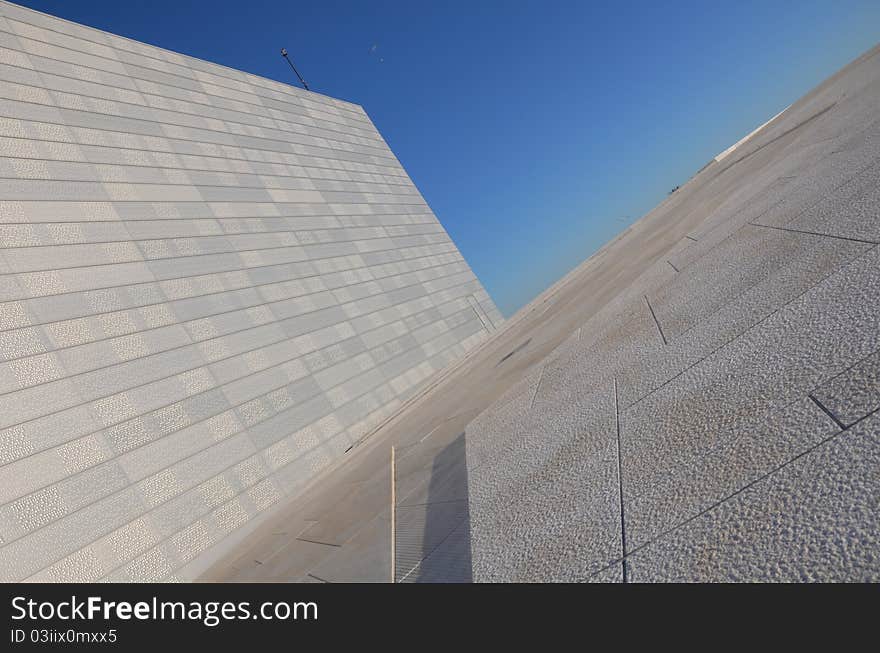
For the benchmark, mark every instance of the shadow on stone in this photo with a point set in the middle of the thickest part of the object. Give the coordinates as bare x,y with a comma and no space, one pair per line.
445,537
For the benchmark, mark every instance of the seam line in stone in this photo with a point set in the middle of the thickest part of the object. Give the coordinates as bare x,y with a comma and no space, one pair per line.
620,485
656,322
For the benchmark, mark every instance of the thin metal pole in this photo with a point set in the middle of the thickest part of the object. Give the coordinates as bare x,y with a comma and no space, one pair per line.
301,80
393,518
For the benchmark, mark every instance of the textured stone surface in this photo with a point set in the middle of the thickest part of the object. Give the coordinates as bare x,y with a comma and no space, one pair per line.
211,286
704,475
562,464
813,520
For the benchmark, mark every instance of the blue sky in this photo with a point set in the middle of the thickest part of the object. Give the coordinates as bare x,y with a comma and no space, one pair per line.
535,130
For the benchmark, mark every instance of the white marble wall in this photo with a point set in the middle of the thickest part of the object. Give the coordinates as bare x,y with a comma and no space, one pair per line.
211,284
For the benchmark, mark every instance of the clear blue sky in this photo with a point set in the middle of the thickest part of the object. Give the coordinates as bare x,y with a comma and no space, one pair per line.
531,128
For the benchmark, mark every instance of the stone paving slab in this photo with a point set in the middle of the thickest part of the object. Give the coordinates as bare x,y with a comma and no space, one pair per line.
815,185
703,476
813,520
336,525
547,503
365,558
562,523
820,334
851,211
749,257
815,259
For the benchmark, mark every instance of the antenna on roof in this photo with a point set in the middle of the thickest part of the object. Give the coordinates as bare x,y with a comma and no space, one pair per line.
301,80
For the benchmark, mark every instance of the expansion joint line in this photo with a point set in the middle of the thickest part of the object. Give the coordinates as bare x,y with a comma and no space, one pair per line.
828,412
431,552
620,484
317,578
656,322
537,387
813,233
